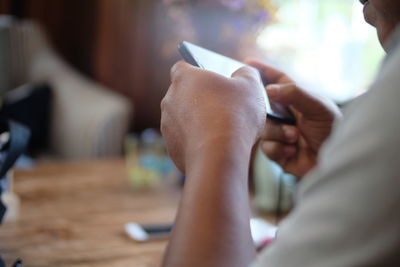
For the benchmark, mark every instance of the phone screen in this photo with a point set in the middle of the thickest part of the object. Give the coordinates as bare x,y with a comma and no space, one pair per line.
225,66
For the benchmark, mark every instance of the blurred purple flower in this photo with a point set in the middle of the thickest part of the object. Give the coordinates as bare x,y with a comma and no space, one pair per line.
233,4
251,13
263,16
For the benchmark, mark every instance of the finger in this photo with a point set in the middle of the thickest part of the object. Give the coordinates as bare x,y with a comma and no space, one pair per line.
252,76
270,74
179,69
277,151
280,133
248,73
292,95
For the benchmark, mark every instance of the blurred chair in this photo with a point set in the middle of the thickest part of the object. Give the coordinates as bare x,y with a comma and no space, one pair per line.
88,120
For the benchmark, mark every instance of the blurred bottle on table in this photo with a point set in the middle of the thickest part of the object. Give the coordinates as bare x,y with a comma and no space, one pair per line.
146,159
274,189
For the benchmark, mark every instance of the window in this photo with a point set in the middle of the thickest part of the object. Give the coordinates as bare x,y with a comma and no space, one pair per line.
325,45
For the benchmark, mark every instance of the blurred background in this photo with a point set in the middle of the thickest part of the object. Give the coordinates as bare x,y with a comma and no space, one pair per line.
87,77
106,63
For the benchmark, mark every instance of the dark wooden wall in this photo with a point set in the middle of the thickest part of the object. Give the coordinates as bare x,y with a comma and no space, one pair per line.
4,6
70,25
113,41
121,44
128,56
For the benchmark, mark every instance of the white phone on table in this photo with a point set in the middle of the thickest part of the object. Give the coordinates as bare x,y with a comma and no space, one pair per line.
144,233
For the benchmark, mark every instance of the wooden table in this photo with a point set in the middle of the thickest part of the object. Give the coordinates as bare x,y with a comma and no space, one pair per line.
73,214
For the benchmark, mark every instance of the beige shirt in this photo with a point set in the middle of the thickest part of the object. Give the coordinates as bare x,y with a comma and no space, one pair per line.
348,208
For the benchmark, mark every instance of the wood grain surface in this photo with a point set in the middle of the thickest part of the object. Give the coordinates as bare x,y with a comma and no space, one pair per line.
73,214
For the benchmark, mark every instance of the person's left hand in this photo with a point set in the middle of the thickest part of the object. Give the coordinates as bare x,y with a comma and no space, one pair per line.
203,112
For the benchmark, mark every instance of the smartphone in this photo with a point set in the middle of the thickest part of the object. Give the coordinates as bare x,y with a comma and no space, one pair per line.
225,66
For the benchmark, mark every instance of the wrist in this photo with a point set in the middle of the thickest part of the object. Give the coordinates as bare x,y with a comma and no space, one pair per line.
224,136
225,155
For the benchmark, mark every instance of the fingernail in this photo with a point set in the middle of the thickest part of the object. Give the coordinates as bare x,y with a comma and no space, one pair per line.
290,133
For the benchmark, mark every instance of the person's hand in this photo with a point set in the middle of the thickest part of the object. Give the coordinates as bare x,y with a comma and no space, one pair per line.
295,148
203,111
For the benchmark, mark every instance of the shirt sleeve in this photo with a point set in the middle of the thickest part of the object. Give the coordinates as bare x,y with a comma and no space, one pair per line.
348,208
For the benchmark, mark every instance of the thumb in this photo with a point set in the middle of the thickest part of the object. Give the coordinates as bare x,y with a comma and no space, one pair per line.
292,95
247,72
251,75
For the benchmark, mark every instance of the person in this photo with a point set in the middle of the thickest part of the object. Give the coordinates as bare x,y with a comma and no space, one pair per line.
348,165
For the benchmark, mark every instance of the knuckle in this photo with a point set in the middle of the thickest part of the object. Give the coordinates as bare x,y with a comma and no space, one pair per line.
177,70
174,71
163,103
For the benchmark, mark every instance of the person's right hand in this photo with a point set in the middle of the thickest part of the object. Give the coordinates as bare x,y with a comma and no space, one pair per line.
295,148
204,113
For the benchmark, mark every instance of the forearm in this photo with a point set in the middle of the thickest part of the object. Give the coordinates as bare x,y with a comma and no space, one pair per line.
212,226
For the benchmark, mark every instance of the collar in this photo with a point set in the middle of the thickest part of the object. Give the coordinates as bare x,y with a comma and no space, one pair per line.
393,42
